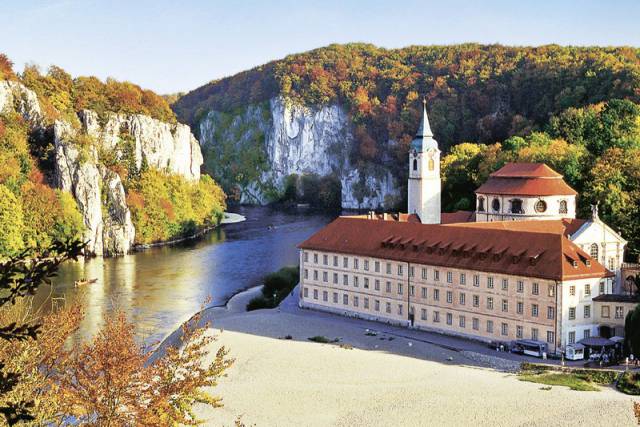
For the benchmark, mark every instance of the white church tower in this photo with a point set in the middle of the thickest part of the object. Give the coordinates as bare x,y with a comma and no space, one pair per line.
424,174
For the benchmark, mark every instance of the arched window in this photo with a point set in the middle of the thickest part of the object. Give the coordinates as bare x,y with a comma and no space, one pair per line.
541,206
495,205
593,251
563,207
480,204
415,164
516,206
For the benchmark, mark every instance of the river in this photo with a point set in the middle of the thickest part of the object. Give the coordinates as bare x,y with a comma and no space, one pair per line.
162,287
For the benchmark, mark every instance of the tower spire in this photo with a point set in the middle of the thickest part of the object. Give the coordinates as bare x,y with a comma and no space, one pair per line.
424,131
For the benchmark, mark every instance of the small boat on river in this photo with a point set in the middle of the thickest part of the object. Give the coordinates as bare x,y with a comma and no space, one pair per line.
84,281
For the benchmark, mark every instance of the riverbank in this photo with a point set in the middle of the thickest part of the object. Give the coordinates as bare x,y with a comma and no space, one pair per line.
375,378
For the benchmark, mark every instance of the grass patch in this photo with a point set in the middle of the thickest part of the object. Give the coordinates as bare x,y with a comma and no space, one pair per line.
276,288
323,340
574,381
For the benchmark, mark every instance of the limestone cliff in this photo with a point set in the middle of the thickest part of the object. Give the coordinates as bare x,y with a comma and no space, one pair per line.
79,169
295,139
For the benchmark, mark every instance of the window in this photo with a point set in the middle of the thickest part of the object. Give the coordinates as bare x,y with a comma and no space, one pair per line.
356,281
516,206
345,299
325,296
602,287
476,300
399,288
388,308
505,305
551,291
572,337
504,329
572,290
481,204
551,312
490,282
563,207
345,279
366,265
461,321
376,266
534,334
306,257
356,301
436,294
424,293
535,288
587,311
325,276
541,206
586,333
345,262
366,303
366,283
400,309
335,260
475,323
315,274
463,279
436,275
449,297
325,259
399,269
605,311
612,264
490,326
593,251
619,312
415,164
495,205
449,319
424,273
388,288
572,313
520,286
519,331
423,314
306,273
335,297
449,277
388,268
587,290
505,284
376,305
550,337
376,285
315,258
412,271
412,291
335,278
534,310
490,303
519,307
306,292
462,298
356,263
436,317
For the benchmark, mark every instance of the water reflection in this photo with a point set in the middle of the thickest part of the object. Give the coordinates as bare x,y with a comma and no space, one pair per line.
162,287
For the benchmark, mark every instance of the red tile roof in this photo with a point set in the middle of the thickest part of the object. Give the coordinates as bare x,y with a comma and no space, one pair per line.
457,217
545,255
565,226
526,179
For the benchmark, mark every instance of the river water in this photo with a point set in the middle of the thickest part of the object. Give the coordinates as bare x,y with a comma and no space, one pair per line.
161,288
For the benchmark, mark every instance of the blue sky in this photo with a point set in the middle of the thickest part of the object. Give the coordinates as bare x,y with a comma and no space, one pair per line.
170,46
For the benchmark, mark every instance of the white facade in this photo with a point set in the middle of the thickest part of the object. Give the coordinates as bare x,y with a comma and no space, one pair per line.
424,175
500,207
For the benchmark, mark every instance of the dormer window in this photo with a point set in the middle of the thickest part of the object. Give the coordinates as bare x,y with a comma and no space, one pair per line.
516,206
480,204
563,207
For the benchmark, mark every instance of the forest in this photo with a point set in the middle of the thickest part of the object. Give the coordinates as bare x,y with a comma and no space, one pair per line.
575,108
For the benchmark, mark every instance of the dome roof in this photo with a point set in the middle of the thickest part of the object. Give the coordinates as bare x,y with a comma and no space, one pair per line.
526,179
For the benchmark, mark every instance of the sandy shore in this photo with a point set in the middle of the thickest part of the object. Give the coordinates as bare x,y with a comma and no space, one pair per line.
380,382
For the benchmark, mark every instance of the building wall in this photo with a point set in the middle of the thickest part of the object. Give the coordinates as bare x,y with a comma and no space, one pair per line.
387,291
578,311
528,206
424,187
613,314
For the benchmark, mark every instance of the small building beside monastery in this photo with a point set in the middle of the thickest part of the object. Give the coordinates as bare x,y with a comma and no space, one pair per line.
521,266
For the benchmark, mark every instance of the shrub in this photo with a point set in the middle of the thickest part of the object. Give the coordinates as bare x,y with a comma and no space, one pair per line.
629,383
276,287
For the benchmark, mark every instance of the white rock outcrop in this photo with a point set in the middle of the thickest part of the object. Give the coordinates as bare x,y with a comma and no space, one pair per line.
300,140
15,96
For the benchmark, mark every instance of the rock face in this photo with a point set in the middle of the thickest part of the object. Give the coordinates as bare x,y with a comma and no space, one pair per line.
97,190
300,140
